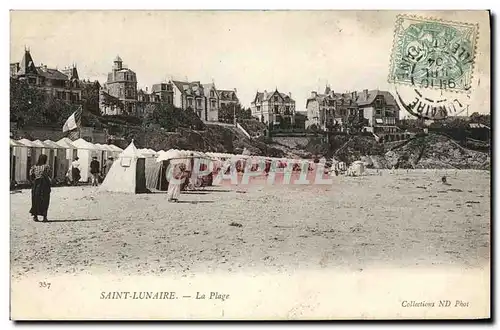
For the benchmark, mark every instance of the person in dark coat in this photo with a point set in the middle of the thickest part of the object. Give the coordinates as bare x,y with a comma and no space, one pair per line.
94,171
75,171
40,190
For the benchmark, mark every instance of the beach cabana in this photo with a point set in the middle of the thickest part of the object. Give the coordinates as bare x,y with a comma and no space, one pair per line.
47,150
85,152
16,163
357,168
27,157
128,173
71,149
57,160
116,150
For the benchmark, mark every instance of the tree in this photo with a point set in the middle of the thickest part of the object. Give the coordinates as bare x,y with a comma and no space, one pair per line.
478,118
32,106
90,97
171,118
227,112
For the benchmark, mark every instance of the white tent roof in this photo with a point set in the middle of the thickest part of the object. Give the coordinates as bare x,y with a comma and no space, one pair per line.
101,147
147,151
66,143
115,148
40,144
170,154
16,144
131,152
82,144
52,144
27,143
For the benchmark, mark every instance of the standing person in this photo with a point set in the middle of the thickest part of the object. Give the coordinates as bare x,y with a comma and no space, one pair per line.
108,165
40,191
94,171
75,171
179,173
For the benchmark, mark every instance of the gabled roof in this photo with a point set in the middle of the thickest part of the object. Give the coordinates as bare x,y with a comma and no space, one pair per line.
27,65
284,97
189,88
210,87
227,95
364,99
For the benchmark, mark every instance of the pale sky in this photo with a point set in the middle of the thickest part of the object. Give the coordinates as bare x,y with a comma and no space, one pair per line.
295,51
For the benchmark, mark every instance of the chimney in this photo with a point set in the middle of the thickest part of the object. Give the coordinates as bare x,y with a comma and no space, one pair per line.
314,94
365,91
290,94
146,89
265,94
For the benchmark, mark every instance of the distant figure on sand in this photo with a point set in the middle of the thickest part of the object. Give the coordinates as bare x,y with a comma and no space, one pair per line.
40,190
108,165
179,173
75,171
94,171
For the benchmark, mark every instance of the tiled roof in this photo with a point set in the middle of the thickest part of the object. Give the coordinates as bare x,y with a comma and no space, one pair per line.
364,99
361,98
260,96
189,88
227,95
51,73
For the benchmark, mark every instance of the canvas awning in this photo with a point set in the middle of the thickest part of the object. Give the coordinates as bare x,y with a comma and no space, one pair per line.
16,144
66,143
52,144
27,143
82,144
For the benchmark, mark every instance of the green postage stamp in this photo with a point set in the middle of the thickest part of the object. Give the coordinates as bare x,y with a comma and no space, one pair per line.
435,54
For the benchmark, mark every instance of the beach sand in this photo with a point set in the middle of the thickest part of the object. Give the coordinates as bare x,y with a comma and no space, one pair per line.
396,220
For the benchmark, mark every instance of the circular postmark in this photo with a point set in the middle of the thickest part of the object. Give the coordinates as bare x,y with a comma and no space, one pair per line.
431,67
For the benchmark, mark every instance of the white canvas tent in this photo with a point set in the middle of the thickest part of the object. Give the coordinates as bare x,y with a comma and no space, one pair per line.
127,173
57,160
17,163
71,149
26,157
86,151
116,150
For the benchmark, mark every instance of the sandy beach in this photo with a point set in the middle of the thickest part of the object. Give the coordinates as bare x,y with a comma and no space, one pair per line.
390,220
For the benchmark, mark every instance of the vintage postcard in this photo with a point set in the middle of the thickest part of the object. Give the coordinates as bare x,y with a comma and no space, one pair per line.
250,165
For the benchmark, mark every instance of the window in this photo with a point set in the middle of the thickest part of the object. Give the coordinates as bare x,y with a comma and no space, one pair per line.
212,104
198,103
190,102
276,98
378,112
378,103
212,94
276,109
287,110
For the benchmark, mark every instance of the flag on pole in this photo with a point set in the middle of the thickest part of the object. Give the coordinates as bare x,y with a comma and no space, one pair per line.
73,121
